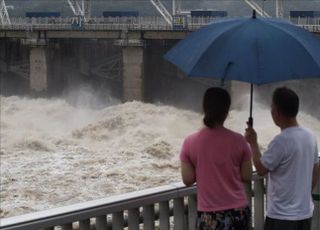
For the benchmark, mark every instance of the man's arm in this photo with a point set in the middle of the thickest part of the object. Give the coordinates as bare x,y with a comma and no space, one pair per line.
256,156
251,137
188,174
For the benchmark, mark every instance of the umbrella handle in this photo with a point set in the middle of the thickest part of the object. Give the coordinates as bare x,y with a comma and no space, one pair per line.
250,122
250,119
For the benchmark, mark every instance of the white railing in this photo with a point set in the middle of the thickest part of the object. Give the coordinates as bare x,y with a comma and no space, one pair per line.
131,23
167,207
311,24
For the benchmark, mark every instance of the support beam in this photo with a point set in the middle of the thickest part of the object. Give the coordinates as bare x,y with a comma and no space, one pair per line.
87,8
81,8
162,10
38,69
255,6
4,16
176,7
76,7
279,8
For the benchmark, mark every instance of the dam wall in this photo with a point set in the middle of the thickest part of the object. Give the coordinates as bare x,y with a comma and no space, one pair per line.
63,66
70,66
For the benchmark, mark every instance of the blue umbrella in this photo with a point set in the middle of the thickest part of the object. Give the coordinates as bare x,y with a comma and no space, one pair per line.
251,49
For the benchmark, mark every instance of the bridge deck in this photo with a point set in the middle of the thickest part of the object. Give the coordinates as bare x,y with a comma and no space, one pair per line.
135,27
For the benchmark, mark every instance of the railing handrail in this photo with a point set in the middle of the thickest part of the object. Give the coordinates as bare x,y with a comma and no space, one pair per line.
98,207
131,23
89,209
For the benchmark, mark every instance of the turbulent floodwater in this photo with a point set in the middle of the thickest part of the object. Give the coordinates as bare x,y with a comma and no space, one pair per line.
54,154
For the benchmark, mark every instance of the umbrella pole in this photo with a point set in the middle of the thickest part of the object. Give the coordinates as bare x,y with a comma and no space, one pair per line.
250,120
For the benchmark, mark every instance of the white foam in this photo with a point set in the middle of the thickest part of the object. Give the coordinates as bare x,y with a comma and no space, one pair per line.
54,154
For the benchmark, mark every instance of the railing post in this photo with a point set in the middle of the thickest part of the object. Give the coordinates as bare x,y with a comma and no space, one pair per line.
316,212
133,219
248,188
178,213
249,193
84,224
117,220
258,188
164,215
192,211
101,223
148,217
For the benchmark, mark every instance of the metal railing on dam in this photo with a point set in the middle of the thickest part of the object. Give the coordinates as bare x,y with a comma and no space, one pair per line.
130,23
171,206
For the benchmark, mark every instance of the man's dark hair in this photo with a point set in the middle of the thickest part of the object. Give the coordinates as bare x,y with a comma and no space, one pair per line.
286,101
216,104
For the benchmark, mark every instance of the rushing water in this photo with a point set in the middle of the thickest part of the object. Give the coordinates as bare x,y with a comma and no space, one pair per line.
54,154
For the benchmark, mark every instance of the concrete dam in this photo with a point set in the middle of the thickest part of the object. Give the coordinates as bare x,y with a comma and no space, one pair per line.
67,65
64,65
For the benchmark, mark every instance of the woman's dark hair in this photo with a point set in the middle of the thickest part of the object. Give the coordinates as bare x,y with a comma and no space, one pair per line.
216,104
286,101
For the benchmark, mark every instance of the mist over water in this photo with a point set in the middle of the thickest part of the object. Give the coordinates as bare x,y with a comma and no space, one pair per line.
56,152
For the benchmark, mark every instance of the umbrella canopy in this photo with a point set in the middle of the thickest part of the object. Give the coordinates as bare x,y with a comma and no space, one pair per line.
253,50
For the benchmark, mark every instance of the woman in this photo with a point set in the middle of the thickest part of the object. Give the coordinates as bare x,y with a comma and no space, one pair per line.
219,161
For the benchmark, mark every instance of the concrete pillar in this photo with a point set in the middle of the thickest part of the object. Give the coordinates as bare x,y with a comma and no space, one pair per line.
132,73
38,69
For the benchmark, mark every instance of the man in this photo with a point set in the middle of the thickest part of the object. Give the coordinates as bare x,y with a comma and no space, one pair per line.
291,162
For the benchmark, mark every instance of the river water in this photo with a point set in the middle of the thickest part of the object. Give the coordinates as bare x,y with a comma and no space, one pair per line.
54,154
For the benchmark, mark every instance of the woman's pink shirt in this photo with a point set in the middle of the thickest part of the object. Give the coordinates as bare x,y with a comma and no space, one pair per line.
216,155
